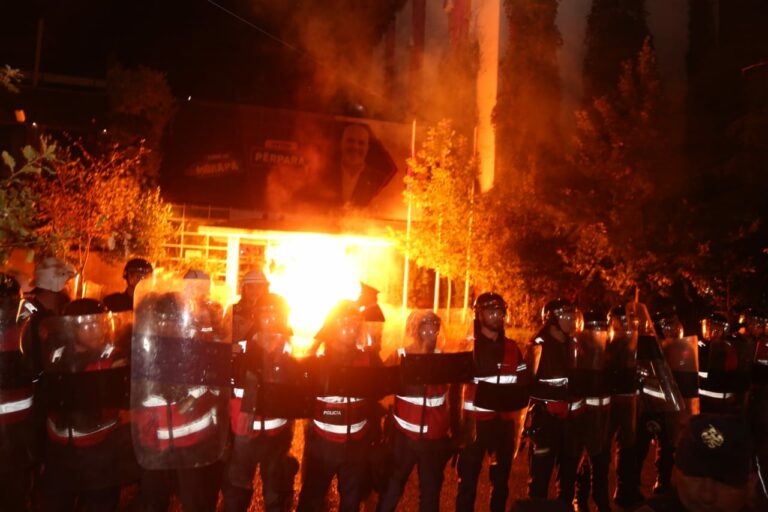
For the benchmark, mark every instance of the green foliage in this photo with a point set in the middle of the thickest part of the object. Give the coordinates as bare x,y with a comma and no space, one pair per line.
98,201
18,198
441,180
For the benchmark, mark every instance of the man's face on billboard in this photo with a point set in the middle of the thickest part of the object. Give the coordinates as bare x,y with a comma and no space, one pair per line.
354,146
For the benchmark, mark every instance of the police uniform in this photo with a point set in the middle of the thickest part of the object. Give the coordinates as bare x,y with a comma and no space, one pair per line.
498,362
555,417
259,440
338,442
421,419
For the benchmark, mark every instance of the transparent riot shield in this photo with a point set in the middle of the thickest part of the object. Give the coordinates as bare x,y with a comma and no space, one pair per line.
658,388
85,376
622,352
725,365
587,360
16,391
180,374
682,356
760,368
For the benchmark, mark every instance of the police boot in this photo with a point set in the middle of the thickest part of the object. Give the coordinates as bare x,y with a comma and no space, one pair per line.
583,487
236,499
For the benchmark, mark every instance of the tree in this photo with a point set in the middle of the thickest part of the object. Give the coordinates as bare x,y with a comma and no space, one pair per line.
141,106
97,201
616,206
528,109
615,33
440,182
19,199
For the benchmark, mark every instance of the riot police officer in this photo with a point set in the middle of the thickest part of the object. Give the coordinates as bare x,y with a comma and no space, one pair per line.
47,298
658,422
17,452
493,406
180,378
342,431
421,420
555,404
88,452
622,367
260,439
591,377
725,361
134,271
244,312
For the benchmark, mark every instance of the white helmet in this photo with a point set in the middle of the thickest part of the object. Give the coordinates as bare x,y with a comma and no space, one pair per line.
53,273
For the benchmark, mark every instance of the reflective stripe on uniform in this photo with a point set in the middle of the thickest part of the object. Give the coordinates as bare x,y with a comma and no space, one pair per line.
559,381
597,401
238,392
655,394
66,432
338,399
712,394
190,428
269,424
18,405
341,429
498,379
418,400
703,375
470,406
412,427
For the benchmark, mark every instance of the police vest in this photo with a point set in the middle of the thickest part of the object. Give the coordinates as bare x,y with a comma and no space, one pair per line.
15,386
245,424
342,418
179,422
83,428
508,370
421,412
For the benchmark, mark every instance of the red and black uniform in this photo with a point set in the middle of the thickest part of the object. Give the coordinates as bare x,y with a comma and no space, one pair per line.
421,421
724,376
555,414
88,453
16,419
498,362
338,443
259,440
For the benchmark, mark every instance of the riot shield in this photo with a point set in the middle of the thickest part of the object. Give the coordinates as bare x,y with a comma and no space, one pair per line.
587,360
438,368
658,389
724,364
16,391
277,385
622,352
760,368
85,375
180,375
682,355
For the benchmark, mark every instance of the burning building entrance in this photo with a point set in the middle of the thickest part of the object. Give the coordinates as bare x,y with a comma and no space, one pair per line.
313,270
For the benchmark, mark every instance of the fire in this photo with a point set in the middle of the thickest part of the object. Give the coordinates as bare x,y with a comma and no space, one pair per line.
314,271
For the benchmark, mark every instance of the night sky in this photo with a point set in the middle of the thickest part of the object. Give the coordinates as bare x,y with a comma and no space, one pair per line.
207,53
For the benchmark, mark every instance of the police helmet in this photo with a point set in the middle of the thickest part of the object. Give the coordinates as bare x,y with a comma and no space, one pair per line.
489,300
137,266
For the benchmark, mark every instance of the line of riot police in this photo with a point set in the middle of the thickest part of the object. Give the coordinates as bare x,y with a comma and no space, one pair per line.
190,399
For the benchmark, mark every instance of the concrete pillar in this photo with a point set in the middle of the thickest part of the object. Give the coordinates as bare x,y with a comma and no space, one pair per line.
233,262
